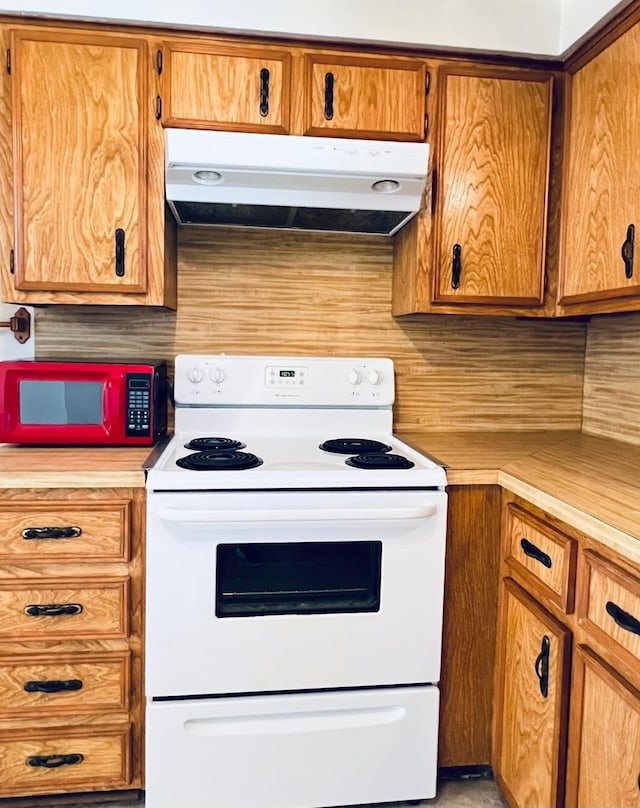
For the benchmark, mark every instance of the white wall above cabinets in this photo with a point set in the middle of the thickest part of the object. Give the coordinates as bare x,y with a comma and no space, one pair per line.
579,16
535,27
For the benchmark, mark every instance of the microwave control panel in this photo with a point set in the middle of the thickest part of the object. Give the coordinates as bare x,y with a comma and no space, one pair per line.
138,405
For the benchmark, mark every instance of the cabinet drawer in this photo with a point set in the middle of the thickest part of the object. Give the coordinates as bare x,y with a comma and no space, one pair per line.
64,683
89,758
609,605
49,531
52,609
542,555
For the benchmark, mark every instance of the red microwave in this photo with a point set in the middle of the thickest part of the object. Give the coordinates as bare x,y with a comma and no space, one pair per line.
82,403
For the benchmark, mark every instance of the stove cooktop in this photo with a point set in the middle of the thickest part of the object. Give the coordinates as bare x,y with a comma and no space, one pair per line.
195,462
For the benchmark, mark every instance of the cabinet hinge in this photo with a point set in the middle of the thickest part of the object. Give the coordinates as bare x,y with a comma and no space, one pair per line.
9,61
12,267
426,126
158,108
427,82
159,61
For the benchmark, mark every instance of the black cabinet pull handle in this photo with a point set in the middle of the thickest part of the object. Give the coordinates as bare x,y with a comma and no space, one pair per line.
530,549
52,609
623,619
54,761
264,92
456,266
328,96
119,252
70,532
627,251
542,666
52,686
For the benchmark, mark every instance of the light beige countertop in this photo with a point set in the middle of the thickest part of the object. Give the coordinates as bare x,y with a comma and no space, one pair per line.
72,467
476,458
591,483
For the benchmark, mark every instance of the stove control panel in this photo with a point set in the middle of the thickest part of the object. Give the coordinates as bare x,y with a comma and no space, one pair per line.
281,381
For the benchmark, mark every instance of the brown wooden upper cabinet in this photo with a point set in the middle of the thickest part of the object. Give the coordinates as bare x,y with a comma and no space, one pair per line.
80,107
357,96
219,86
492,172
79,161
602,176
250,88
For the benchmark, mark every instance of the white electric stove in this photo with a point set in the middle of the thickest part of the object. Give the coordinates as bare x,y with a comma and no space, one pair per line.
295,569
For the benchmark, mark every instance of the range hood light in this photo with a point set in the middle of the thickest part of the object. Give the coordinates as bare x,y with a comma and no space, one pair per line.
208,177
386,186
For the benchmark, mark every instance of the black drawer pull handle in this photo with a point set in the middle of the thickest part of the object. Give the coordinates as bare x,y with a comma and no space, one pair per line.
119,252
627,251
52,609
52,686
54,761
264,92
328,96
456,266
70,532
623,619
542,666
530,549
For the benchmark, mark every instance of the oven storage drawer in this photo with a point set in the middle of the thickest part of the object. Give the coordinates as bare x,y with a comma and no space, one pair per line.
375,745
58,760
78,608
54,683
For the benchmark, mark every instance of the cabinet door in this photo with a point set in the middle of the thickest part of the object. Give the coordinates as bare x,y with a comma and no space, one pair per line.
492,177
221,87
602,178
531,701
79,141
363,97
604,746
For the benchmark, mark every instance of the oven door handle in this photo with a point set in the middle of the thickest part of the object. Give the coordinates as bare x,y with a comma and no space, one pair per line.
283,515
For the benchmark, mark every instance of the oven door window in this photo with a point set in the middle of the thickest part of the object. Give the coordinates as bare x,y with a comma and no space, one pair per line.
297,578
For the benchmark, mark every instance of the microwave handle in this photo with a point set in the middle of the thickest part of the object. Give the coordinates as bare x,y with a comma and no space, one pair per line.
304,515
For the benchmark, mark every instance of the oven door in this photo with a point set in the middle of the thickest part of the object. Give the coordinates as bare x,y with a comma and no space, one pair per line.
293,590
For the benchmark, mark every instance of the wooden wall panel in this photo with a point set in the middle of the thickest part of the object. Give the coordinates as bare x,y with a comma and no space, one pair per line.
612,378
255,292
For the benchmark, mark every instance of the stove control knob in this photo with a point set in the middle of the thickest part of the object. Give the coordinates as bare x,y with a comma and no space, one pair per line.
217,375
195,375
354,377
374,377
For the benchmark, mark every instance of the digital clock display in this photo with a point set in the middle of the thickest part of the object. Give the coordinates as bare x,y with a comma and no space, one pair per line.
287,374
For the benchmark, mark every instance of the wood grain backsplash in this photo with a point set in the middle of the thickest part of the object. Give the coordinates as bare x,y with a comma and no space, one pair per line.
612,378
252,292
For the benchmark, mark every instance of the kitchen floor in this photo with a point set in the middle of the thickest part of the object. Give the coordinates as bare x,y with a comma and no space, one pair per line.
451,794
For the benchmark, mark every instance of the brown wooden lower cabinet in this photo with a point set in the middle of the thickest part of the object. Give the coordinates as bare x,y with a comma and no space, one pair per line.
566,727
469,628
71,641
531,701
604,741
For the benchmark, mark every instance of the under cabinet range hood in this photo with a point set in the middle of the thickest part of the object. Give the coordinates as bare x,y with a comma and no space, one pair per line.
293,183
